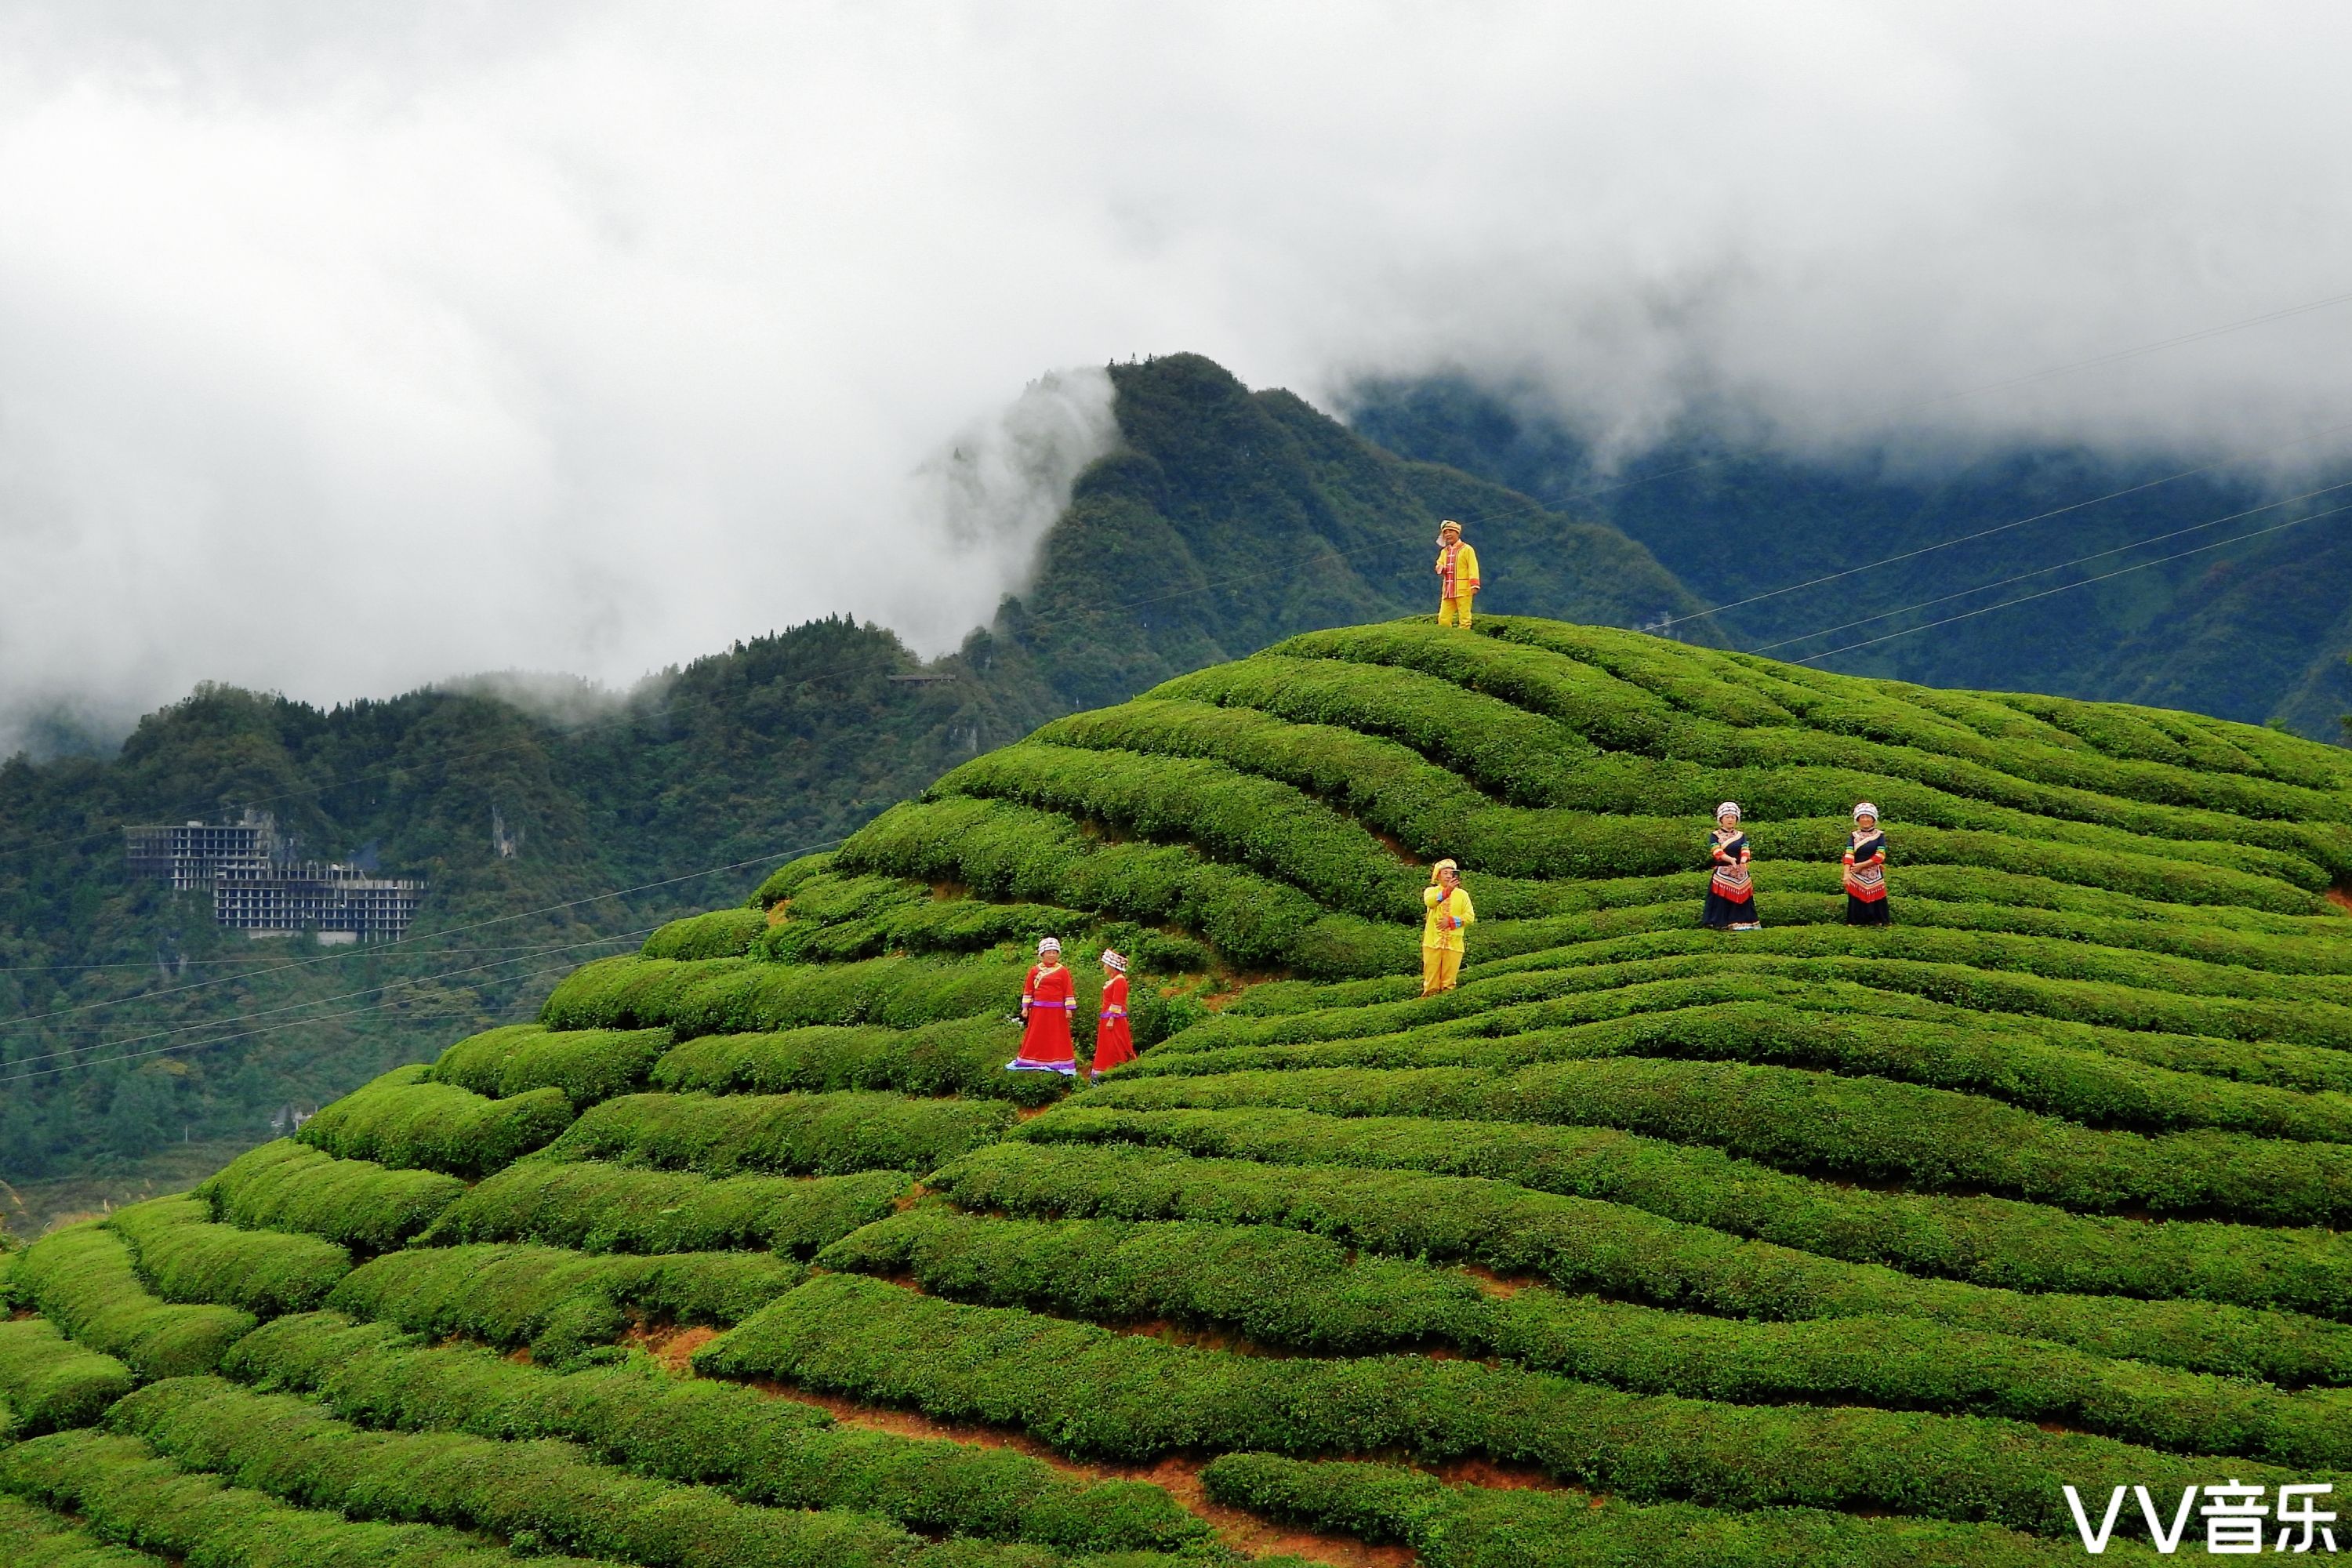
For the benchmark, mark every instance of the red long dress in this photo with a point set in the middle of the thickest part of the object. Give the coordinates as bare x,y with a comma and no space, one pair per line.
1114,1036
1047,999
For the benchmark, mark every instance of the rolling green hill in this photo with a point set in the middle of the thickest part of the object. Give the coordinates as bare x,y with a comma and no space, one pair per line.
1227,518
1647,1244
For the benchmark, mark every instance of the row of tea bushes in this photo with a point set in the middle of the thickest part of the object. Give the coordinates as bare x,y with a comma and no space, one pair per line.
599,1207
120,1489
542,1493
187,1257
407,1122
290,1185
1813,1122
1493,1526
564,1305
764,1450
1089,1389
1290,1290
84,1280
1609,1250
784,1134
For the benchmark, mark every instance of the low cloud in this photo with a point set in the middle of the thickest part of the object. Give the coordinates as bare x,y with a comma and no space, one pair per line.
341,350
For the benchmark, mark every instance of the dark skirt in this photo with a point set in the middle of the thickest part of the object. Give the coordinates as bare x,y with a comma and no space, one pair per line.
1867,911
1722,911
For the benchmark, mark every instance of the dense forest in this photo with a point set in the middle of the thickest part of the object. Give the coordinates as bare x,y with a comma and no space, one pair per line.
131,1025
2257,630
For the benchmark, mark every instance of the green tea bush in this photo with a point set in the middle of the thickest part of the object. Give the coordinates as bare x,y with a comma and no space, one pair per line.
1650,806
51,1383
1489,1527
597,1207
785,880
558,1302
762,1449
1525,758
2082,1085
1288,1289
33,1537
288,1185
1269,827
1582,1244
1513,1002
733,995
402,1121
120,1489
186,1258
82,1279
1003,849
1845,730
798,1134
721,933
587,1065
966,1056
1868,1128
543,1491
1089,1389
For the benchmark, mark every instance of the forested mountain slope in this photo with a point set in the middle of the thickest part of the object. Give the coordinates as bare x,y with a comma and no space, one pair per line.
2256,630
1648,1244
1229,519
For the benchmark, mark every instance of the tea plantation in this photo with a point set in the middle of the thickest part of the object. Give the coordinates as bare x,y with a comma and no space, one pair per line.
1650,1244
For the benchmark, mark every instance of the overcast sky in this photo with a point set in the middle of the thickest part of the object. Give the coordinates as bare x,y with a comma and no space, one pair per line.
340,356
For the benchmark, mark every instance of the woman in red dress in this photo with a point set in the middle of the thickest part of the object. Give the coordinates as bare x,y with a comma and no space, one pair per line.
1114,1036
1047,999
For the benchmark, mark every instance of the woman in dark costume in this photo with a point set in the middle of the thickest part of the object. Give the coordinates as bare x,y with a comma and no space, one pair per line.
1865,870
1730,897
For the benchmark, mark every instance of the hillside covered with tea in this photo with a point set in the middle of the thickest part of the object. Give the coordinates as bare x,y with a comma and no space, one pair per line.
1649,1244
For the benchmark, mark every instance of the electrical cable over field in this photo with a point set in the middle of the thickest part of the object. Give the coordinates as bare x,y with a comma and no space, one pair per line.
2118,571
2062,566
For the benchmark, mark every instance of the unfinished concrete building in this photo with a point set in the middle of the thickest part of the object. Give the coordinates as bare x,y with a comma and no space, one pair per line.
259,889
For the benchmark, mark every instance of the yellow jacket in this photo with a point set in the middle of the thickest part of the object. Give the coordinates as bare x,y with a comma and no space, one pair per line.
1434,930
1466,571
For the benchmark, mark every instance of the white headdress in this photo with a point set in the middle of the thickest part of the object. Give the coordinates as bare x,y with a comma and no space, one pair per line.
1864,809
1050,944
1114,961
1729,809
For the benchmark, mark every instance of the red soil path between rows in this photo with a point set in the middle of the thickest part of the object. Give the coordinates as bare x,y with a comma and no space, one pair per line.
1179,1476
2340,897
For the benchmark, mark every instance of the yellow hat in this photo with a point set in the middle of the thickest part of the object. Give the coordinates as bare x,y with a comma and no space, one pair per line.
1449,523
1443,866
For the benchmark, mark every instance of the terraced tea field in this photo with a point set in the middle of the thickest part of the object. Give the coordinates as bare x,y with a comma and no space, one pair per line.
1648,1244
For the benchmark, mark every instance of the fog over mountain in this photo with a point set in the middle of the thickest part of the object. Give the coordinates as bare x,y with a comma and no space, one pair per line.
345,351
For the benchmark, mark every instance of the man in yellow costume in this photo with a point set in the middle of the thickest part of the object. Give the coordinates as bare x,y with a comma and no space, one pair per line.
1448,902
1457,575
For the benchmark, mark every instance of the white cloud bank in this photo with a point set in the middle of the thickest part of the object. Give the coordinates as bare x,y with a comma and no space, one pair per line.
343,354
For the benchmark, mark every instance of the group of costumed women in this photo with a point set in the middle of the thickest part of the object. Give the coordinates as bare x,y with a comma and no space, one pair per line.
1049,995
1731,895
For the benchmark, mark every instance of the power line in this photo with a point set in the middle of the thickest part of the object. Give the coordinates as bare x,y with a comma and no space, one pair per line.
2059,566
2118,571
2003,528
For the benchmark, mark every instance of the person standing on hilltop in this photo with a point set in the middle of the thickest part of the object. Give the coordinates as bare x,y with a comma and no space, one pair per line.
1114,1036
1865,870
1047,999
1730,896
1457,575
1448,903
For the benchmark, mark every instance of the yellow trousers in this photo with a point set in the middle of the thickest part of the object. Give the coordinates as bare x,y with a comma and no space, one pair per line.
1440,968
1454,612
